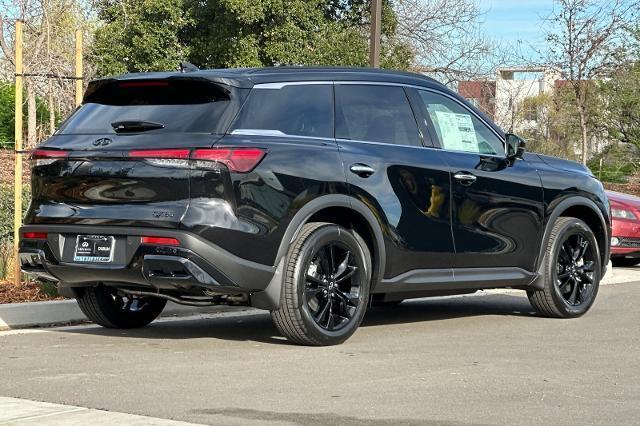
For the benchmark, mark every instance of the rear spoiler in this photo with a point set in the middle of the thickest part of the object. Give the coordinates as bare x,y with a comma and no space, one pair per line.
109,89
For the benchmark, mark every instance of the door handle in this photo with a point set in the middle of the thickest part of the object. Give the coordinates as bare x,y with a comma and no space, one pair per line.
362,170
465,178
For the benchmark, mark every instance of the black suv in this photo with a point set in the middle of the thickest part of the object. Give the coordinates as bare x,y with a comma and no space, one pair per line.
311,193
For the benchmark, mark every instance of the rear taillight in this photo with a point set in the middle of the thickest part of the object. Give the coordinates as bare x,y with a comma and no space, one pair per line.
160,241
163,157
42,157
160,153
240,160
34,235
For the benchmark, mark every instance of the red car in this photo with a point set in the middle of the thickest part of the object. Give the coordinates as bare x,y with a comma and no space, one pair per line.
625,235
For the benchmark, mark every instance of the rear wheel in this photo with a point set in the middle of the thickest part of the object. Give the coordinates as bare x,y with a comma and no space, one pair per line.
571,271
326,286
109,308
624,261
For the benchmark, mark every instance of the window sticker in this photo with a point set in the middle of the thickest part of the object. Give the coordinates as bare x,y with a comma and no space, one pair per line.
457,131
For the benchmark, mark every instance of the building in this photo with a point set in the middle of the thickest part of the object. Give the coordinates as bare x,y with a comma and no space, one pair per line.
502,98
513,86
481,94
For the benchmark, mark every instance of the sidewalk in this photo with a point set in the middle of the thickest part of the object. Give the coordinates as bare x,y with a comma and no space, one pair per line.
14,411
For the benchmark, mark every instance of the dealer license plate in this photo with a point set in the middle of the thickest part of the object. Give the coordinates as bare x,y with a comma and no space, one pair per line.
94,248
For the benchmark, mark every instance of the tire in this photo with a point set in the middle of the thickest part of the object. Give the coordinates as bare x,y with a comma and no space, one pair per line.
570,284
624,261
315,293
104,306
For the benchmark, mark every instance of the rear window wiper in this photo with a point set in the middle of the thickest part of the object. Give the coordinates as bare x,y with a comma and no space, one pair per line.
135,126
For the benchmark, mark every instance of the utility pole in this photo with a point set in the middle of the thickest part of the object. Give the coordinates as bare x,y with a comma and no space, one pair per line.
17,195
374,41
78,75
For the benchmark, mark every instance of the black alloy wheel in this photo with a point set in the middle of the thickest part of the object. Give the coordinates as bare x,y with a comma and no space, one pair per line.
332,289
325,289
575,269
570,271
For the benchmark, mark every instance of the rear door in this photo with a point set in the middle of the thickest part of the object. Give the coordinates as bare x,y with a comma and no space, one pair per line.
497,208
122,157
405,183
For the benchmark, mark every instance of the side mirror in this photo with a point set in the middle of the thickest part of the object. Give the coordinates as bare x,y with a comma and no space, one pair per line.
516,147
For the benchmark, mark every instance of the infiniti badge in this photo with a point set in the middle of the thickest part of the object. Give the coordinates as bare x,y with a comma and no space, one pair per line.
102,142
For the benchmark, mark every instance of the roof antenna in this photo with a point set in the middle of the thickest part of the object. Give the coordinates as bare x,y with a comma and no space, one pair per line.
187,67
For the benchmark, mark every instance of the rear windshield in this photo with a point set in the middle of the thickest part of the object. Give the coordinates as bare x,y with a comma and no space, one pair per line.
180,105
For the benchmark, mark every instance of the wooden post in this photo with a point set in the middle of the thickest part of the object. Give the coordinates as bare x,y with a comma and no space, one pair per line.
600,171
52,111
374,41
79,86
17,198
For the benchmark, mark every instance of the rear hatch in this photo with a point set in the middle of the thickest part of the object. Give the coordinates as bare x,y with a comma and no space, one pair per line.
123,157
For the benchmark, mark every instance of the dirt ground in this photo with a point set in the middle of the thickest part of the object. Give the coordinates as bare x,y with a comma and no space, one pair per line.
27,292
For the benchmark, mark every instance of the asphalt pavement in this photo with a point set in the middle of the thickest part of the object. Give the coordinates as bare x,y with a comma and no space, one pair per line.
464,360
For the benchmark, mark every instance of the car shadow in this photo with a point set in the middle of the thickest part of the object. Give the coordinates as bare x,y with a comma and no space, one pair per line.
256,326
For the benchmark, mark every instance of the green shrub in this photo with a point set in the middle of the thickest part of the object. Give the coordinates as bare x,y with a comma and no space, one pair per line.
6,251
6,223
616,163
48,288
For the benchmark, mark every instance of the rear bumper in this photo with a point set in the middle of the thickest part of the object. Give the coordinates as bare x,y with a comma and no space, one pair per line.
194,265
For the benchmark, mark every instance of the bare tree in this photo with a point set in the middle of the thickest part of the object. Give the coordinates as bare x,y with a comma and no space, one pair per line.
49,27
587,41
447,38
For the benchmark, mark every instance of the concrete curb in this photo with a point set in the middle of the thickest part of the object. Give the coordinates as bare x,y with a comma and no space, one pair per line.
34,314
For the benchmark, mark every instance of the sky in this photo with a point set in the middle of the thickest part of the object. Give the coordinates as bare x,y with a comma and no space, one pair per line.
511,21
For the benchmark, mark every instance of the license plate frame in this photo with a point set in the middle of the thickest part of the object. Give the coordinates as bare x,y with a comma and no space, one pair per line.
92,249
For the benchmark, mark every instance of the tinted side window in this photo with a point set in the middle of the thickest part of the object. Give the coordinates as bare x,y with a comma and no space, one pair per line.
301,110
376,114
457,129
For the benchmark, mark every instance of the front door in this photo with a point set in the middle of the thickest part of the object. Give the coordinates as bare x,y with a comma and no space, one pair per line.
404,183
497,207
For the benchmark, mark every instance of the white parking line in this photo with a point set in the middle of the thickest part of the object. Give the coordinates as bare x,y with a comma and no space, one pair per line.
15,411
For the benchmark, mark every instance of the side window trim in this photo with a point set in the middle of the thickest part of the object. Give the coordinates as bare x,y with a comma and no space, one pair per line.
423,119
421,130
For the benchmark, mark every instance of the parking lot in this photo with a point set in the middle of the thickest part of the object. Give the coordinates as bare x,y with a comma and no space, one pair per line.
475,359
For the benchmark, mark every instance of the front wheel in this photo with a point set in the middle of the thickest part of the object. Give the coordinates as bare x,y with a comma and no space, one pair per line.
109,308
571,271
325,287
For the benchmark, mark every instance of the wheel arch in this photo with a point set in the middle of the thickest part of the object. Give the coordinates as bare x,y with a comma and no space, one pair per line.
344,211
337,208
586,210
